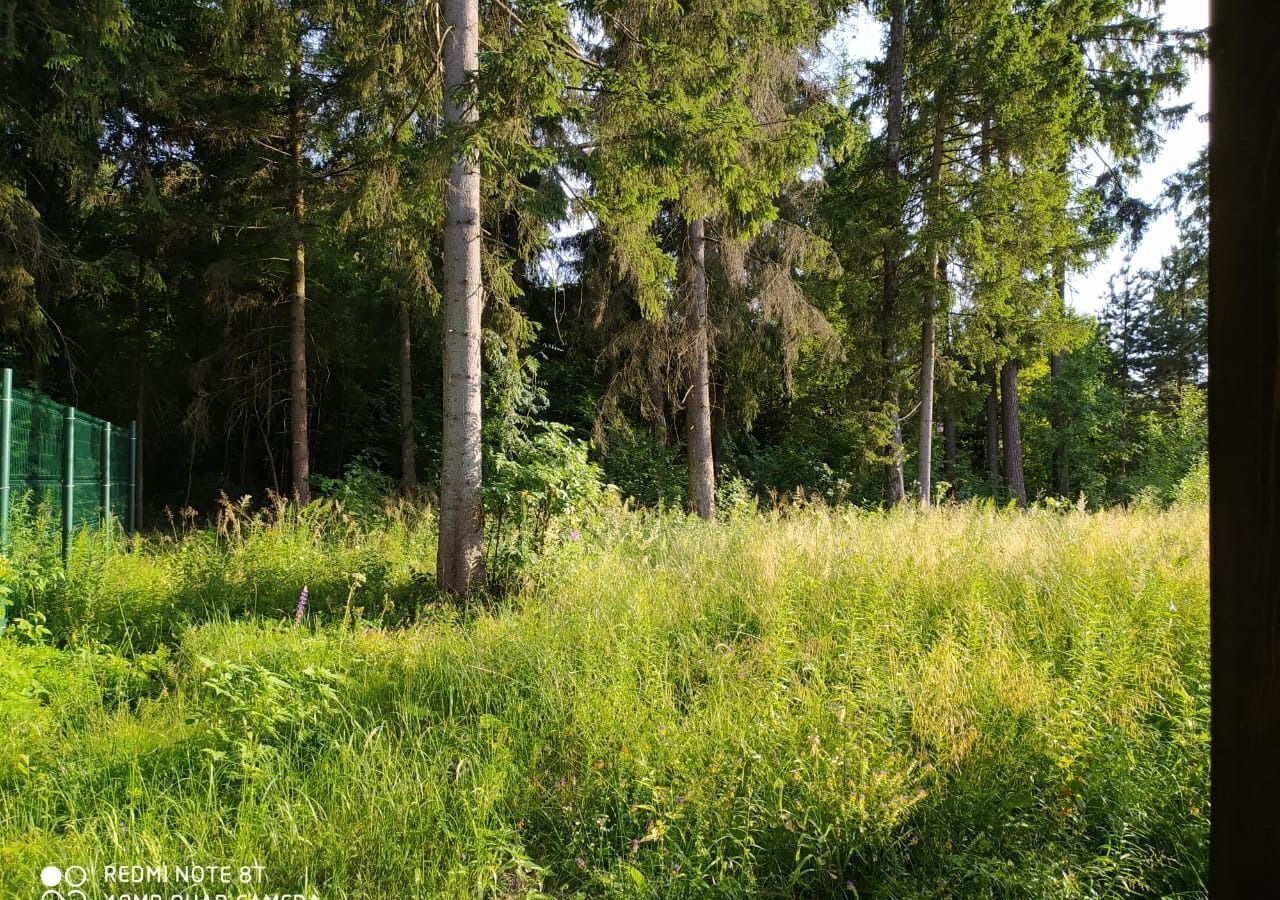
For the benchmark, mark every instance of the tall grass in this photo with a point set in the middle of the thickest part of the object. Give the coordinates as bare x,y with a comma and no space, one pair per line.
810,703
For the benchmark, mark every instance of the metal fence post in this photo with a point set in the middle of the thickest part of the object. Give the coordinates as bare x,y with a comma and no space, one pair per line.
6,447
106,476
133,476
68,482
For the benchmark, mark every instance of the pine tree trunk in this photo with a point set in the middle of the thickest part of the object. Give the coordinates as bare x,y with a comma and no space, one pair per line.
702,478
717,423
993,437
949,442
459,561
140,398
928,326
299,442
408,444
786,357
926,409
1010,419
1058,424
895,489
657,412
1061,475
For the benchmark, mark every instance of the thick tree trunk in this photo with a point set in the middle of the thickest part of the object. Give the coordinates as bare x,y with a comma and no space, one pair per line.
1011,422
993,436
408,443
895,489
299,442
928,326
702,475
459,561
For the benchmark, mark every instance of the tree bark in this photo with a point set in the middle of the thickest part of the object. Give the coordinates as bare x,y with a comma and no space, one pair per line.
993,436
1061,476
949,442
299,442
408,443
1058,424
928,326
895,489
1244,448
718,392
140,398
459,560
702,477
1011,423
925,472
656,411
787,371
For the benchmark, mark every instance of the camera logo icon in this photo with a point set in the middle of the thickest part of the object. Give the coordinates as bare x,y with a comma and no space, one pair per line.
55,879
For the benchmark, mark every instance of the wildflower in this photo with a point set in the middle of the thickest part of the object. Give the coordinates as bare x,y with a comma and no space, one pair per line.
575,535
675,869
302,606
581,863
635,846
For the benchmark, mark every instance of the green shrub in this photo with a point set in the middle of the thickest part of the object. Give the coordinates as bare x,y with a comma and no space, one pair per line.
1194,486
644,470
363,489
533,485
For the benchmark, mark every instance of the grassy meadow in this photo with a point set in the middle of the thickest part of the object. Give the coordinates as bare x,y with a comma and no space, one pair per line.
807,703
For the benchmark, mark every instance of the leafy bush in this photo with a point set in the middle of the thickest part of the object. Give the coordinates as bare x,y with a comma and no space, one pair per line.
536,475
1194,486
528,487
1173,443
363,489
643,469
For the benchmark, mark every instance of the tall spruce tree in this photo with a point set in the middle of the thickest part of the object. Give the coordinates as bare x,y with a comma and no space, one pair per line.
682,126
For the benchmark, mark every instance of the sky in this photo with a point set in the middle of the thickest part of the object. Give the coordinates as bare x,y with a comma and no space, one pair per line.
859,38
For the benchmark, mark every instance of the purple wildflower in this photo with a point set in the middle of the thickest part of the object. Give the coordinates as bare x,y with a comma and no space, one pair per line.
582,863
302,606
675,870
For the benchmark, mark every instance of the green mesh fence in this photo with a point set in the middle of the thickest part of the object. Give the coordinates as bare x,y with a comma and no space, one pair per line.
36,462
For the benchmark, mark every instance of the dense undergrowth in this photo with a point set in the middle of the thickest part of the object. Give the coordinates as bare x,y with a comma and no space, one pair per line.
813,702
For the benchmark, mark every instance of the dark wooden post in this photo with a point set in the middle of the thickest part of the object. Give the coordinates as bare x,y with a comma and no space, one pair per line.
1244,446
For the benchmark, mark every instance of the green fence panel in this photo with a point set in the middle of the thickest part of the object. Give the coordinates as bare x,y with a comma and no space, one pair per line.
121,466
37,452
102,466
89,472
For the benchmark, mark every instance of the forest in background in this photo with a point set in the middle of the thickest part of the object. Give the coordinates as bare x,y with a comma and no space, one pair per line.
706,265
